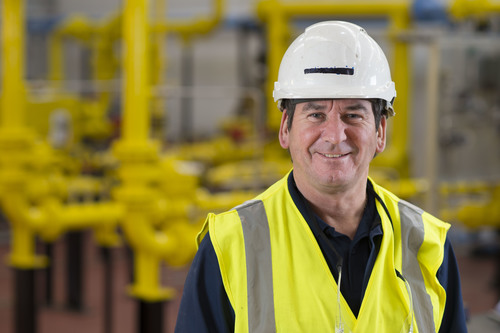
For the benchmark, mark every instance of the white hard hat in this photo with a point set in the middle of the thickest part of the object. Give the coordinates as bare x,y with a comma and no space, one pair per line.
334,59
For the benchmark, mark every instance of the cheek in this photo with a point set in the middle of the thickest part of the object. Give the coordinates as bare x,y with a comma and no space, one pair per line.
308,135
364,140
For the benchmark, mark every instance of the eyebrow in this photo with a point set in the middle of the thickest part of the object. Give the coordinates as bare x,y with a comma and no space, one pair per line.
313,106
317,107
357,107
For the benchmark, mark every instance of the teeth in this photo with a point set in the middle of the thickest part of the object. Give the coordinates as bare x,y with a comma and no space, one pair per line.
333,155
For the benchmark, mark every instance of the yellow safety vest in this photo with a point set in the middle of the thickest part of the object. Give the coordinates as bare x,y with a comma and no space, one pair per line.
278,280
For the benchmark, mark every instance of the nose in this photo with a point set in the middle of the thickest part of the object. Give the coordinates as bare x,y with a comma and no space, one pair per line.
334,130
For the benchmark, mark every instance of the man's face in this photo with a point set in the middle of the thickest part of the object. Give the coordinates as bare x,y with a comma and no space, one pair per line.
332,142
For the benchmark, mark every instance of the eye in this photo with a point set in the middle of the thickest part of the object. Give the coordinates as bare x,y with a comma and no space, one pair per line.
353,116
315,116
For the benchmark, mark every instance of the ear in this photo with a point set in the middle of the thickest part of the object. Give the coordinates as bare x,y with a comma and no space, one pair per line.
284,132
381,135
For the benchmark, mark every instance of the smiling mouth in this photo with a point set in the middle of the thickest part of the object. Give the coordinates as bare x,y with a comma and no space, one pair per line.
334,155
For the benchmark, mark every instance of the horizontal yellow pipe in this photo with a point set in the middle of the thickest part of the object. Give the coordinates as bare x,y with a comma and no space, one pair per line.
474,214
201,25
79,216
77,26
322,8
276,14
461,9
483,210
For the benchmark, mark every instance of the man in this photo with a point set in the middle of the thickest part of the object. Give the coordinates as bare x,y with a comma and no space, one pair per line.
326,249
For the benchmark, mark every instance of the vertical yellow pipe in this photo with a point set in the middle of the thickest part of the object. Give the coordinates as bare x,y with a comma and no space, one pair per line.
23,247
157,70
277,43
400,21
135,97
14,138
147,278
103,64
139,155
13,101
56,59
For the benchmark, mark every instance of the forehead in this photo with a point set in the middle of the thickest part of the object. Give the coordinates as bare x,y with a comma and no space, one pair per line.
327,103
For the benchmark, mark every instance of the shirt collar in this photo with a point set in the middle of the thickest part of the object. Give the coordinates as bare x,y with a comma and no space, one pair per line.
369,225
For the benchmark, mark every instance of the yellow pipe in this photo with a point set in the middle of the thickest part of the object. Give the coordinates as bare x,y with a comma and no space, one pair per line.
147,276
275,14
139,160
78,216
481,211
201,25
157,59
15,140
80,27
157,71
104,33
52,219
135,93
56,59
111,26
24,224
461,9
150,246
17,173
23,249
396,155
474,214
14,91
140,171
293,9
76,26
277,43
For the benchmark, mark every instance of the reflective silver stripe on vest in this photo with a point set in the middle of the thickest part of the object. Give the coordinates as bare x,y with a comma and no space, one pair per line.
412,237
259,267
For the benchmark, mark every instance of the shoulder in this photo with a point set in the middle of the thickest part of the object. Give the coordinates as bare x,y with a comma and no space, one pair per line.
205,306
231,217
413,213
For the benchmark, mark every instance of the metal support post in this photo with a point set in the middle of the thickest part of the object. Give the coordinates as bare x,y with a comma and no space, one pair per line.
49,274
25,308
106,256
74,271
150,317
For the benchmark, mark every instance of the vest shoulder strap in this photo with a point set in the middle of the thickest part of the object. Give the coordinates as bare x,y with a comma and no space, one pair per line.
412,238
258,254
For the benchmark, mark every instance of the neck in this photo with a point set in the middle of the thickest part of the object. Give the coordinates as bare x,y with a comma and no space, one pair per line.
341,210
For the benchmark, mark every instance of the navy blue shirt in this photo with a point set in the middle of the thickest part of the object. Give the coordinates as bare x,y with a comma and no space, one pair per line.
205,306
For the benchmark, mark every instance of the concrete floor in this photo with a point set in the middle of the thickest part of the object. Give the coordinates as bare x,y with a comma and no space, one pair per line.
476,273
